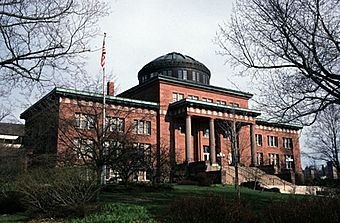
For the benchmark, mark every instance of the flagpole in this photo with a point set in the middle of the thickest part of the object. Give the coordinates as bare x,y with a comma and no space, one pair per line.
103,177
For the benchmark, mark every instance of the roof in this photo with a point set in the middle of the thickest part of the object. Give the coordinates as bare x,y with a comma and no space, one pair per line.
218,107
12,129
190,84
95,97
277,123
171,60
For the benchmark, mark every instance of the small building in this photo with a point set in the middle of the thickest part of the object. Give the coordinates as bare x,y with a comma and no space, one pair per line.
174,107
11,149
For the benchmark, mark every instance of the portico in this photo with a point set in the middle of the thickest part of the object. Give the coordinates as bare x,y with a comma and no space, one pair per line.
205,133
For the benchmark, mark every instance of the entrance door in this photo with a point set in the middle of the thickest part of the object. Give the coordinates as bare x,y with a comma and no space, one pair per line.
206,153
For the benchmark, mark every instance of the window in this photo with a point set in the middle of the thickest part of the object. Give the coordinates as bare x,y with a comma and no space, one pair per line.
272,141
205,132
221,102
258,139
274,159
115,124
193,97
234,104
144,150
289,161
170,73
205,79
194,76
206,153
185,75
287,143
177,96
260,159
180,74
84,121
207,100
142,127
147,128
84,148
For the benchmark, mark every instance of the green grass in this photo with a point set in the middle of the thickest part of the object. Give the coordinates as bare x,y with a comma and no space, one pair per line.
136,205
157,202
13,218
118,213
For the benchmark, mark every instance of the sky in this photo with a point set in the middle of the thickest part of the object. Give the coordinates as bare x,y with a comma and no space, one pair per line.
138,31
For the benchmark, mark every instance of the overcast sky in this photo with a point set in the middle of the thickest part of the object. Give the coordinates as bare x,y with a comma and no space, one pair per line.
140,31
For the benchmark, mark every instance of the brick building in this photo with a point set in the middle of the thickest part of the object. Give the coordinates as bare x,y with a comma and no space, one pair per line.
175,106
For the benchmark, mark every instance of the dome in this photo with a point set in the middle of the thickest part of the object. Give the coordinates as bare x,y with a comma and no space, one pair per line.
175,65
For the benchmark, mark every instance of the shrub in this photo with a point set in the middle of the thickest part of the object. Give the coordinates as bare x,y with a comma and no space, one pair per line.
46,190
10,202
116,213
312,210
204,179
210,209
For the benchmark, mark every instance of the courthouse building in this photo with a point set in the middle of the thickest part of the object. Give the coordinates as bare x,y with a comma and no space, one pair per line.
174,106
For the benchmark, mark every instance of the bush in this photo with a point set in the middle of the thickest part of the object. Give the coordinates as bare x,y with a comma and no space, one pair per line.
10,202
204,179
312,210
116,213
47,190
210,209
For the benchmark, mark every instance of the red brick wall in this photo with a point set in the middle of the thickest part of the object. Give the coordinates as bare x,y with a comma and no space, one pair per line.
280,133
68,108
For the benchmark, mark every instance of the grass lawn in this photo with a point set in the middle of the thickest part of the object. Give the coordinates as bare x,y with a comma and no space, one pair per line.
155,204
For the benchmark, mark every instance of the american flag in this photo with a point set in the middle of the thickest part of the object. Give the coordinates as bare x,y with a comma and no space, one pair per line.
102,61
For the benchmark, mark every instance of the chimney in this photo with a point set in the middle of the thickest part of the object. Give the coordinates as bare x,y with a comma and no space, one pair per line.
110,88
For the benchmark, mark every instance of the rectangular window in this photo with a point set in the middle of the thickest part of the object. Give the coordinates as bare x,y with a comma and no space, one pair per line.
260,159
180,74
115,124
274,159
204,99
142,127
135,126
193,97
234,104
84,121
209,100
148,128
177,96
221,102
194,76
185,75
197,77
272,141
258,139
174,97
205,132
170,73
287,143
206,153
289,161
84,148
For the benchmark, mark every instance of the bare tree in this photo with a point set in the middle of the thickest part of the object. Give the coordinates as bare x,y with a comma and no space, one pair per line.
293,46
232,130
324,137
42,41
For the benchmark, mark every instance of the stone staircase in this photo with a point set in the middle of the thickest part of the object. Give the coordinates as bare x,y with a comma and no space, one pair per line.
268,181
